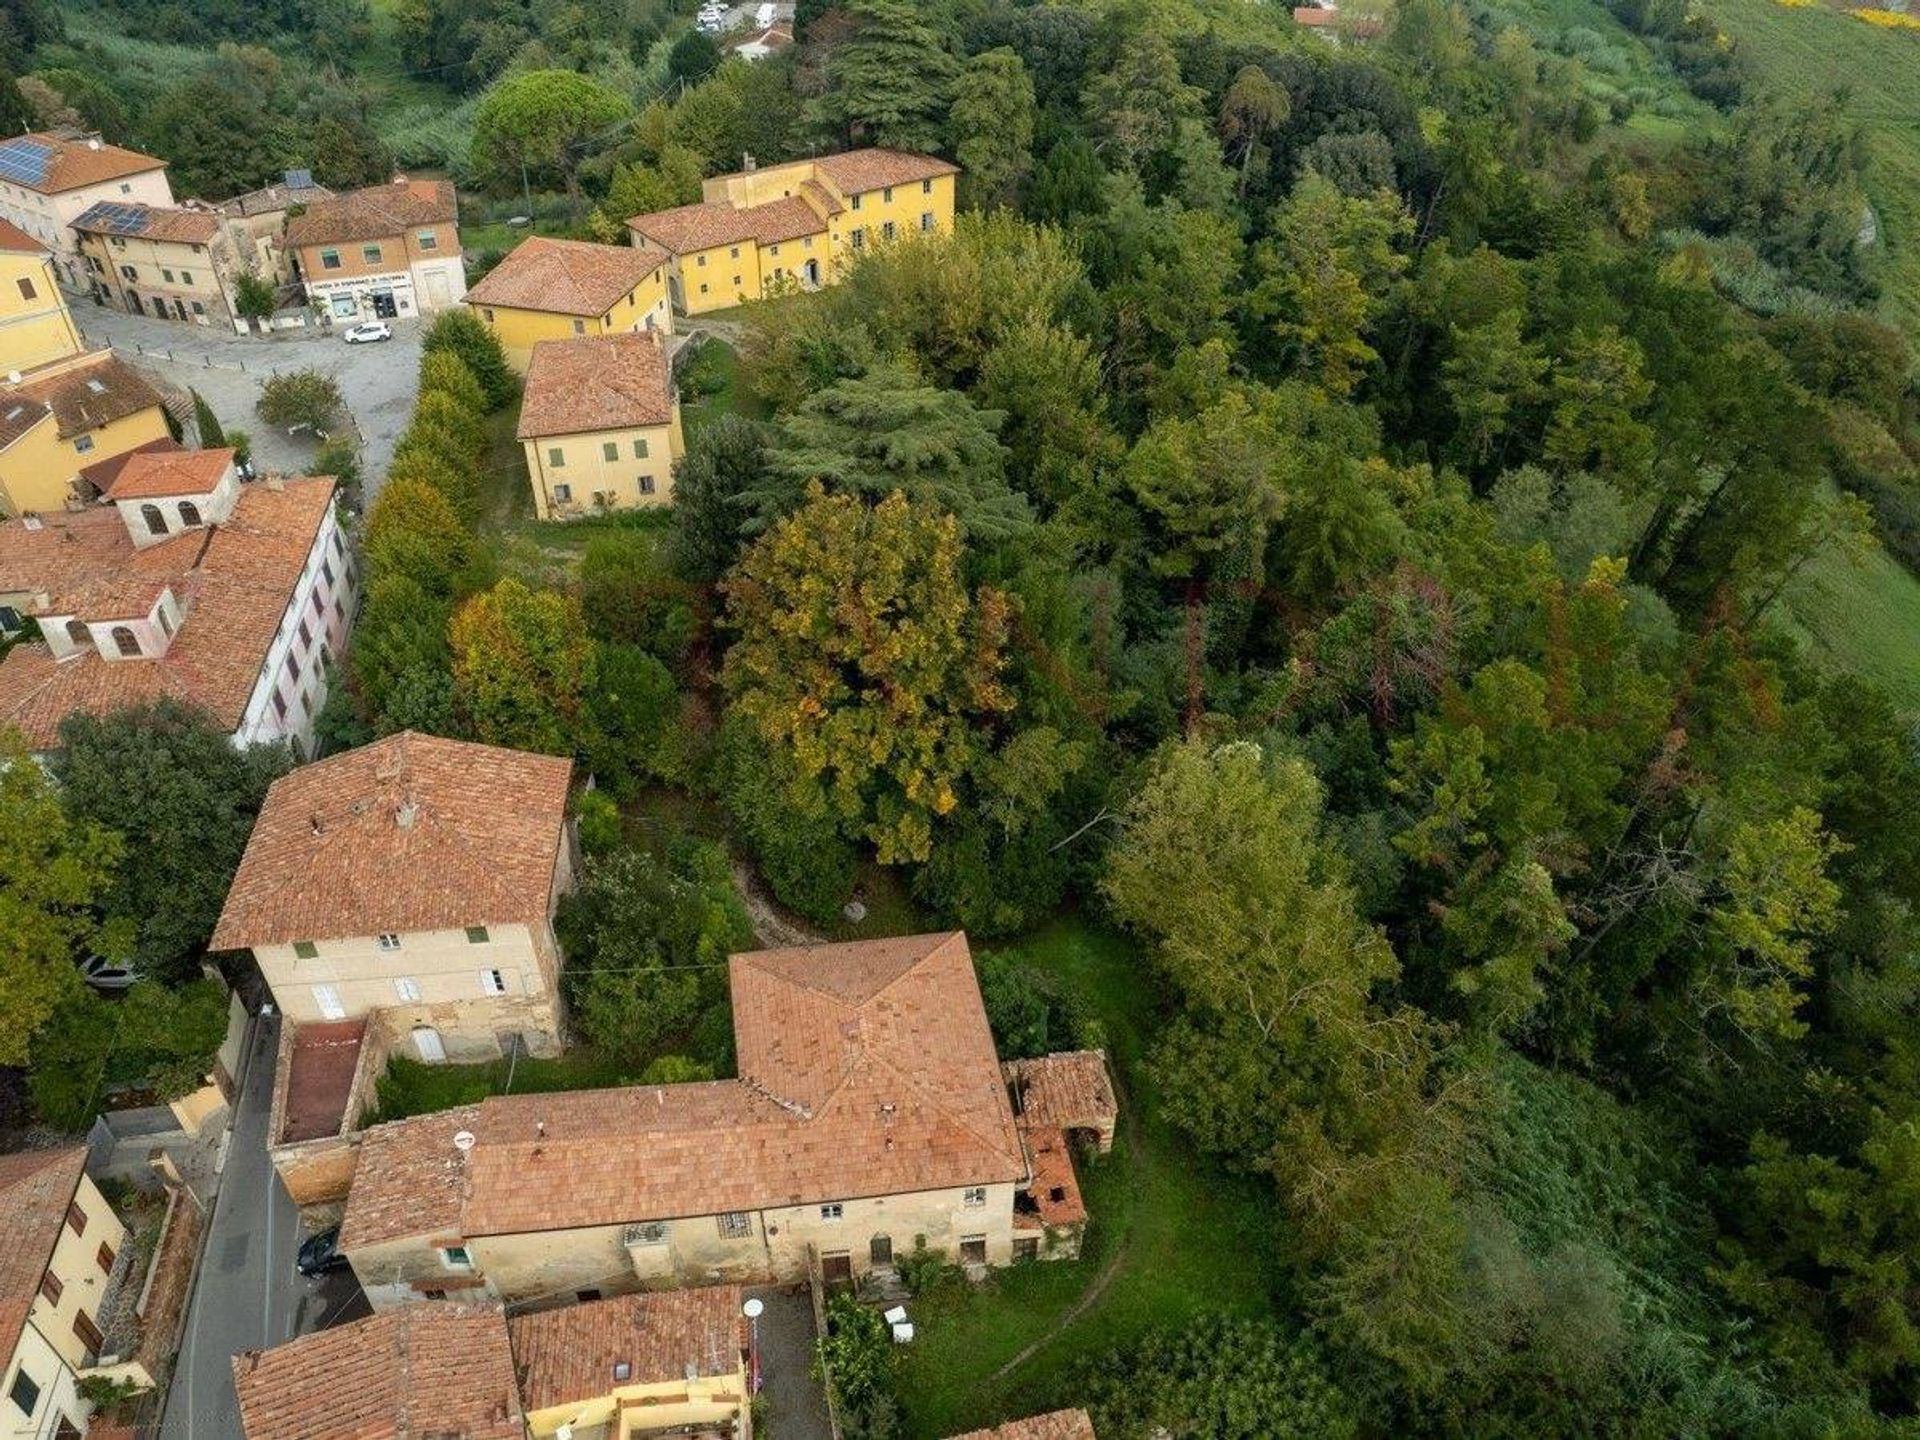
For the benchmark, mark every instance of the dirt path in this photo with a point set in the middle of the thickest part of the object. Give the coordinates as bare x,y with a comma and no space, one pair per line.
771,926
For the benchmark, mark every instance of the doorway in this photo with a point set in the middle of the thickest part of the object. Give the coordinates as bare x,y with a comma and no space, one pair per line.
973,1250
880,1251
426,1040
837,1268
812,272
383,305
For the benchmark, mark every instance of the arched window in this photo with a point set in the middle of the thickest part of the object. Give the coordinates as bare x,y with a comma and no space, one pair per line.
78,633
189,514
156,522
125,641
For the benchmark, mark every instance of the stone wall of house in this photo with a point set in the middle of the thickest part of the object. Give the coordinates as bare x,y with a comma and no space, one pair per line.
470,1030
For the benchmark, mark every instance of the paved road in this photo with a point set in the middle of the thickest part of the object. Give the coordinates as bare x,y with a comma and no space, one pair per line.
379,382
796,1404
247,1295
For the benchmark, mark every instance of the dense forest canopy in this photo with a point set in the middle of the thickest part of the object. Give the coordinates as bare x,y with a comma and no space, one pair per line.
1342,539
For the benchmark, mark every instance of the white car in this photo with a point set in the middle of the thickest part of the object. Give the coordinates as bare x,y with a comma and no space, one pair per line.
104,974
369,332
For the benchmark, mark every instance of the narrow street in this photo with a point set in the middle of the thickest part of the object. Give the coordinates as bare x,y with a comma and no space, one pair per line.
248,1294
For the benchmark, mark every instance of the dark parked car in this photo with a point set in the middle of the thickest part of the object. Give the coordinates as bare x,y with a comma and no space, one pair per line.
320,1255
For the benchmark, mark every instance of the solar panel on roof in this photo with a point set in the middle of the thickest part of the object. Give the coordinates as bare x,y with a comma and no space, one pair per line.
26,159
299,179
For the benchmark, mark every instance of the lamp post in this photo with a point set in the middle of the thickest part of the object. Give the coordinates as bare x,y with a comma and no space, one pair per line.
752,1310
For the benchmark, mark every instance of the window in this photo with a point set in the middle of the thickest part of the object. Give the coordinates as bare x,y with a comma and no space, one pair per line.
700,260
648,1232
166,625
78,633
646,485
313,602
186,277
305,950
292,668
166,275
926,221
306,635
406,987
82,443
734,1225
455,1257
856,202
129,272
279,704
326,571
189,513
66,1430
329,259
973,1249
562,494
886,195
703,287
556,457
974,1198
125,641
492,982
156,522
832,1212
476,934
773,250
427,240
25,1393
610,450
370,254
886,231
103,1257
389,941
859,238
734,253
489,315
27,291
736,282
579,327
640,449
51,1287
926,187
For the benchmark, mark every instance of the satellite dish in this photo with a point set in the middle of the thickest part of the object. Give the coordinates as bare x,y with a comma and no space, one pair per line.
753,1308
463,1140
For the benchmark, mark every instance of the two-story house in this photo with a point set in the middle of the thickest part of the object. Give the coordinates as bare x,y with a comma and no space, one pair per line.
59,422
870,1116
412,882
257,223
169,261
48,179
35,326
380,252
231,597
769,228
629,1368
59,1240
563,289
600,424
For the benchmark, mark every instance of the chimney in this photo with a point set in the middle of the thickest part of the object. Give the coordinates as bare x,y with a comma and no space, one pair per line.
314,821
93,142
747,163
405,815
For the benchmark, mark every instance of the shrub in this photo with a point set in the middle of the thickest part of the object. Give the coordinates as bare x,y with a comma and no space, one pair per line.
414,531
802,856
857,1361
462,332
300,397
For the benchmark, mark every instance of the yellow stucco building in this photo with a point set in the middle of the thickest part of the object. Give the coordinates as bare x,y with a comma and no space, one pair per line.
35,326
600,423
798,225
66,419
566,289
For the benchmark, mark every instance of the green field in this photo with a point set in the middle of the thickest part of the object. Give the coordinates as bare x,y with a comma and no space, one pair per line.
1804,51
1171,1238
1864,619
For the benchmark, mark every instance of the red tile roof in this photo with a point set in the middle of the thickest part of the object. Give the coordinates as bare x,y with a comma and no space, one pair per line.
374,213
410,833
51,164
596,382
567,1356
234,582
865,1069
157,474
699,226
84,396
567,277
1058,1425
421,1372
35,1188
102,473
857,171
18,241
1069,1090
321,1061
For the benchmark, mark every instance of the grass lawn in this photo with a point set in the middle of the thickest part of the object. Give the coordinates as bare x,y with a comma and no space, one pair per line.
1806,51
719,368
1864,619
1182,1238
412,1088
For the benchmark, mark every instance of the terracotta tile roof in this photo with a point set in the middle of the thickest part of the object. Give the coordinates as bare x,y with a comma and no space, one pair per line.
568,277
410,1179
374,213
857,171
102,473
154,474
596,382
35,1189
824,200
1058,1425
272,198
320,1063
1069,1090
50,164
233,580
410,833
785,219
18,241
699,226
1054,1188
170,223
566,1356
421,1372
865,1069
81,397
